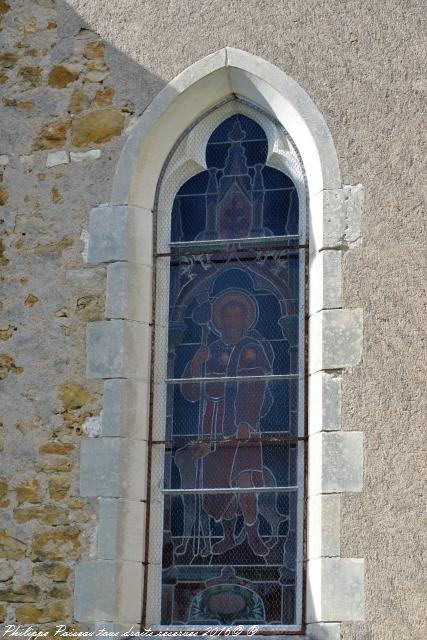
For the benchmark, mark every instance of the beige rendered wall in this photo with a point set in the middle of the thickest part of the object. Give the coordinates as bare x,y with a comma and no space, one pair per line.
75,75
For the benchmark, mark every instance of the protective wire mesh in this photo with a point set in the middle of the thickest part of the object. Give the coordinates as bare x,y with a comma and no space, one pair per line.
227,462
229,571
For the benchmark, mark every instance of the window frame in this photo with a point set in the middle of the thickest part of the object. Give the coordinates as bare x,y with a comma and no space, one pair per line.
118,348
283,156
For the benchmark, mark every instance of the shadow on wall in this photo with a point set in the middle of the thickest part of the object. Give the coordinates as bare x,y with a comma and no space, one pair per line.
131,81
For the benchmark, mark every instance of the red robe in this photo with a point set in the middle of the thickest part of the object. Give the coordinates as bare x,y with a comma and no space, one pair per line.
227,406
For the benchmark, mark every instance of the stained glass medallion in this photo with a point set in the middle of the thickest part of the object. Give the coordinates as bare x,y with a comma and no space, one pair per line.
232,448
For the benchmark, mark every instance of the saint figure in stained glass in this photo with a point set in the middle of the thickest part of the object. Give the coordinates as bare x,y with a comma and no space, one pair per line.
231,416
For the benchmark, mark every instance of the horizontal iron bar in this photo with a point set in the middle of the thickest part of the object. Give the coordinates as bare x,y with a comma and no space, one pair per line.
203,195
263,439
210,250
226,241
245,141
219,491
285,376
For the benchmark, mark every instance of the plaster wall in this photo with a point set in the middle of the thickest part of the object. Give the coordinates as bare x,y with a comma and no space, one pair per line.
362,65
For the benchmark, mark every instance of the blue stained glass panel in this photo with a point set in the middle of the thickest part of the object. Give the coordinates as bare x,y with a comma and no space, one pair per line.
238,196
232,459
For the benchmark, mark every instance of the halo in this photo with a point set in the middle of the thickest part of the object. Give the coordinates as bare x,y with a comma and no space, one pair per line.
237,297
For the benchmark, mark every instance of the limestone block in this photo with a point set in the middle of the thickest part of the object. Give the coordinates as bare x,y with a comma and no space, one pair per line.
327,220
88,279
126,408
324,398
4,196
121,529
335,339
99,467
204,67
113,468
325,281
336,217
53,611
73,396
57,157
97,126
335,463
108,590
323,532
6,571
94,49
129,288
335,590
120,233
28,491
118,349
56,543
10,547
79,156
323,631
62,75
353,200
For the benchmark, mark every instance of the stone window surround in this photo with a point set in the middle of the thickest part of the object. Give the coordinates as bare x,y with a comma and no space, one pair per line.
109,584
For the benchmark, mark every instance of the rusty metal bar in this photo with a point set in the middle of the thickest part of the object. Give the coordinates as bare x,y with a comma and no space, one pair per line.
305,434
220,491
273,378
262,439
225,241
205,251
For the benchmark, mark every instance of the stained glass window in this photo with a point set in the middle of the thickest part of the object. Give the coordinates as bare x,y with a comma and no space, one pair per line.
232,445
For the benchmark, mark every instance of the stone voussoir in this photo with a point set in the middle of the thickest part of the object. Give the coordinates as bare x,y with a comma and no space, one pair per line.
335,590
324,396
120,469
129,288
336,462
121,530
125,408
120,233
97,586
335,339
118,349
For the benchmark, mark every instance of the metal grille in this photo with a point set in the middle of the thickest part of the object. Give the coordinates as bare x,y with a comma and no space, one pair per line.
227,436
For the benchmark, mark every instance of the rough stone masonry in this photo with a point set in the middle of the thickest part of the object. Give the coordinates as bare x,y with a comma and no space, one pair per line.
63,122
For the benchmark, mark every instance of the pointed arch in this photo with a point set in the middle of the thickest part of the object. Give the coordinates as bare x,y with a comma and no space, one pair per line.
119,348
200,87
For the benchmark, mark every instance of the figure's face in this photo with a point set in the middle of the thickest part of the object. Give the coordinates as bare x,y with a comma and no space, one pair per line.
233,323
233,316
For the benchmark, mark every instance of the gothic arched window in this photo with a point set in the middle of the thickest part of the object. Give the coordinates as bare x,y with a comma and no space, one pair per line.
227,422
